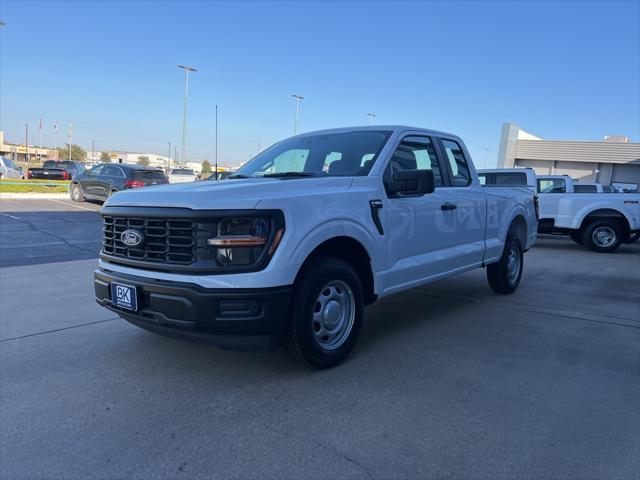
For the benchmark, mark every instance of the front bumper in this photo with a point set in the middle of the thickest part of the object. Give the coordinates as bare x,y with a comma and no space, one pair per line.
233,319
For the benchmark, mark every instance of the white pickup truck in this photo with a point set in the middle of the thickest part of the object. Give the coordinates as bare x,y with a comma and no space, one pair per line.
587,212
599,221
291,248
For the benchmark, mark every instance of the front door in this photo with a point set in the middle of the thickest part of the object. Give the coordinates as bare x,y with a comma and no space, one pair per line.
421,229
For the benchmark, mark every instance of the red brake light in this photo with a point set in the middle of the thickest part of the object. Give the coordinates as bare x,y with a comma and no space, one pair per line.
134,184
65,175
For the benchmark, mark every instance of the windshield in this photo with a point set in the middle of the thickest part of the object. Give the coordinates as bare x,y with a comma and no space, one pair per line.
333,154
182,171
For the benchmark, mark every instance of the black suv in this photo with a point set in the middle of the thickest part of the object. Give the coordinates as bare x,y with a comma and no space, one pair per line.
99,182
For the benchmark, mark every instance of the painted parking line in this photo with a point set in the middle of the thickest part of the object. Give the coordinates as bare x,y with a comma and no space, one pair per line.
10,216
72,205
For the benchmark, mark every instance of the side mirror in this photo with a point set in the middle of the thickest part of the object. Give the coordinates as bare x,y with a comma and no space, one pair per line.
407,183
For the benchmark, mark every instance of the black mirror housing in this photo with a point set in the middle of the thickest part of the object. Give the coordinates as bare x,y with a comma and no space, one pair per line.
407,183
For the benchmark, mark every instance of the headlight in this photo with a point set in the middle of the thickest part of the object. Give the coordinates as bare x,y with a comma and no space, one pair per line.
242,241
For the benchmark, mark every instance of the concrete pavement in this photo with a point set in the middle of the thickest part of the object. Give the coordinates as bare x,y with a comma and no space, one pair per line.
448,380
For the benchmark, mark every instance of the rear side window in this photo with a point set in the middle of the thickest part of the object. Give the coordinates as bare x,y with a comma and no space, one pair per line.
112,171
460,173
585,189
511,179
415,153
553,185
148,175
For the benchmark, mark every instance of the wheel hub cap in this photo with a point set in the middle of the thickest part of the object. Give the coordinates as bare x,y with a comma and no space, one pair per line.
603,237
333,314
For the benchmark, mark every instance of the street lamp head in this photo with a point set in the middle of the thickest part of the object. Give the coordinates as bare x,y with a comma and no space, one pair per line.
299,97
190,69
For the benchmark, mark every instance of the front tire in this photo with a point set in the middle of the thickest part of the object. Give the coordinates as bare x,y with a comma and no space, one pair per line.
505,274
603,236
326,314
76,193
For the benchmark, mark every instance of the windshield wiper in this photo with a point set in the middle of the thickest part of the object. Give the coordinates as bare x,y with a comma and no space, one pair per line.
239,175
290,174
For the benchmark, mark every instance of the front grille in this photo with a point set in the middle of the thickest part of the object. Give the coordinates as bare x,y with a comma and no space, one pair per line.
166,241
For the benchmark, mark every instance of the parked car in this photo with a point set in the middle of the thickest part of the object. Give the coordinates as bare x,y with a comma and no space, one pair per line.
105,179
8,169
56,170
289,254
182,175
599,221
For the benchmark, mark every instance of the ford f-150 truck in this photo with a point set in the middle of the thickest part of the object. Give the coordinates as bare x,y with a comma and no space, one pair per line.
599,221
291,248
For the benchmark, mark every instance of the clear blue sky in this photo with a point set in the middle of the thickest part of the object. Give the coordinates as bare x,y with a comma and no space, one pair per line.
559,70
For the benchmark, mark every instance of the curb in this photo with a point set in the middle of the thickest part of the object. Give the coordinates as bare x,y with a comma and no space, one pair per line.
34,196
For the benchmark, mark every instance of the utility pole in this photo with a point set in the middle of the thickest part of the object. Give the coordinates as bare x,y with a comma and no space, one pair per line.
295,124
169,157
93,150
371,117
55,138
175,154
186,103
216,152
26,143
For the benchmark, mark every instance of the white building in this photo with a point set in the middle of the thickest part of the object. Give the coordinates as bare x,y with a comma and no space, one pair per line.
613,160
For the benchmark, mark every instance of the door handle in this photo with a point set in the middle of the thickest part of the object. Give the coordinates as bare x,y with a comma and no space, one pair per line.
448,206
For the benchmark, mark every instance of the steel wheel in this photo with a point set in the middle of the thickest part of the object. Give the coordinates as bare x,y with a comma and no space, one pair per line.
603,236
334,312
513,265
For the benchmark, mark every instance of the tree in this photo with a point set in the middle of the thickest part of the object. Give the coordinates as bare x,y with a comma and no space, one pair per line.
143,160
77,153
206,167
105,157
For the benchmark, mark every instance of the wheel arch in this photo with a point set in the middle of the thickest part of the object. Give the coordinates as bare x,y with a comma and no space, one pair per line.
518,227
606,214
351,251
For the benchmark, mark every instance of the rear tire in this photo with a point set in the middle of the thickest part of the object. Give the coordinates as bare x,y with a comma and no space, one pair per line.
603,236
576,236
326,314
76,193
505,274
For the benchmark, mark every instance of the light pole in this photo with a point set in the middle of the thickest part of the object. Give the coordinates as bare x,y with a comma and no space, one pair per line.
69,138
26,143
186,102
216,151
169,157
93,150
371,117
295,124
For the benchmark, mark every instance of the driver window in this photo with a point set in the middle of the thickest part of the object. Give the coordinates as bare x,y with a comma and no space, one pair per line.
415,153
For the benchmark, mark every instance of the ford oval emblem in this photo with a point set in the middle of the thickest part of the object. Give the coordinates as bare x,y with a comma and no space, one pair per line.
132,238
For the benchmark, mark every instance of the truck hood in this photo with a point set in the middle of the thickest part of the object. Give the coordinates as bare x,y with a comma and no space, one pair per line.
226,194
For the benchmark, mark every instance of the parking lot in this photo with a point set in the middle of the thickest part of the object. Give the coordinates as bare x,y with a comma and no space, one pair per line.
447,381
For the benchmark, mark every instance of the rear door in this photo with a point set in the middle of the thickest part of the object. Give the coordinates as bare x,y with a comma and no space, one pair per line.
89,181
470,201
108,179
